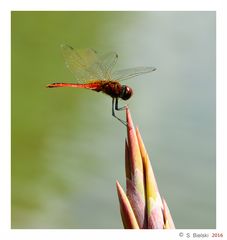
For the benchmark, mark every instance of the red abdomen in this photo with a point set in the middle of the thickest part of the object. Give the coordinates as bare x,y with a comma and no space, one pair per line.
111,88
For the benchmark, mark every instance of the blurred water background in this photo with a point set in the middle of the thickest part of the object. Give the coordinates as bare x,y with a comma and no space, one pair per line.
67,149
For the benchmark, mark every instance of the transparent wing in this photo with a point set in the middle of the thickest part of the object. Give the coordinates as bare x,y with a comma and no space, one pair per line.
108,61
86,64
131,72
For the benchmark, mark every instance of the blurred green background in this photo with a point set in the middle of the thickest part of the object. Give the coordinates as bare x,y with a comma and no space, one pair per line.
67,149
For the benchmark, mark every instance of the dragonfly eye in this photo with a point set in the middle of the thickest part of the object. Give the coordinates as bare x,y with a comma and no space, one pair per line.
126,92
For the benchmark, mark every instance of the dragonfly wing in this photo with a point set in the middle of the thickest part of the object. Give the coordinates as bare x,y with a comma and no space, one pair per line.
108,61
131,72
84,63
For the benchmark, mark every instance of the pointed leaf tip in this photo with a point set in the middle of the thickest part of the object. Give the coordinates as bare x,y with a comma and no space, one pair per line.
153,199
133,146
168,221
127,214
151,184
129,120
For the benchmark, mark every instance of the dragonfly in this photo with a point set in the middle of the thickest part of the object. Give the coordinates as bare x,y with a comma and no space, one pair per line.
95,72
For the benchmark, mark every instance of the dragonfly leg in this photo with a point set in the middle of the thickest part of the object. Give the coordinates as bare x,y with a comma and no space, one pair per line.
115,107
119,108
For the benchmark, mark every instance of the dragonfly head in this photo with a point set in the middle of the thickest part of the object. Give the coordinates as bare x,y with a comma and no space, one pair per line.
126,92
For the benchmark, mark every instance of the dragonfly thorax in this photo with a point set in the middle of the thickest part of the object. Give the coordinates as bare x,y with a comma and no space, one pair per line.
126,92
